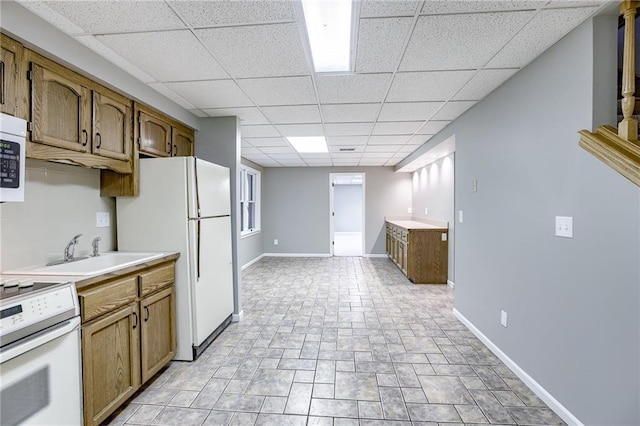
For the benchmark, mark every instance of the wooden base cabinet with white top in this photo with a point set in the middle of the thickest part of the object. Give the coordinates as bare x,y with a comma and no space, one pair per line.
420,250
128,335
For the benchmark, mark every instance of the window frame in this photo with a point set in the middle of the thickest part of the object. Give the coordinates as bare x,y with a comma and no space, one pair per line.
245,231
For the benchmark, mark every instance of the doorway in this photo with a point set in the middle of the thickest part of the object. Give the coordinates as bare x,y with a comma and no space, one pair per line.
347,214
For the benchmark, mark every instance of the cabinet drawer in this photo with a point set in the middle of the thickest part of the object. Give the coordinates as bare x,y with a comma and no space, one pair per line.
156,279
404,236
107,297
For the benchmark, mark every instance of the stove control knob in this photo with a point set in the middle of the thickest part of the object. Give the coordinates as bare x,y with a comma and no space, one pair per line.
11,283
26,283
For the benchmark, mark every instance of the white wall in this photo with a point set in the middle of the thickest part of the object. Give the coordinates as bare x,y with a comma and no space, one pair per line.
433,188
295,207
573,304
60,202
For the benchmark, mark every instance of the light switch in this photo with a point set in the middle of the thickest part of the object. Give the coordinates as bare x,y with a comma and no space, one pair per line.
460,216
564,226
102,220
409,210
474,185
426,211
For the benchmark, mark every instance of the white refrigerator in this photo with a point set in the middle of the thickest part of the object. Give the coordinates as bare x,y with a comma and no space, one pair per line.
184,206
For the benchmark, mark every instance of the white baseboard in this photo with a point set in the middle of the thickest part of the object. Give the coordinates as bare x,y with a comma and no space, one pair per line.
451,284
245,266
541,392
376,255
297,255
237,317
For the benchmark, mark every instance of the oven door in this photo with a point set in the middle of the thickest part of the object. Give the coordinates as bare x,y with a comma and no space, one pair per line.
40,378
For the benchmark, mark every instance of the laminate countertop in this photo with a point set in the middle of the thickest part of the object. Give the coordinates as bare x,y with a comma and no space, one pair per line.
412,224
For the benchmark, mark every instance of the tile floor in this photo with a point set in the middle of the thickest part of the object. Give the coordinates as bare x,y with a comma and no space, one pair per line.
339,341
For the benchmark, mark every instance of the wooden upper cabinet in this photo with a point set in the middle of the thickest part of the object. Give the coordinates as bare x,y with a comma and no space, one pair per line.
11,94
154,135
59,109
112,118
182,145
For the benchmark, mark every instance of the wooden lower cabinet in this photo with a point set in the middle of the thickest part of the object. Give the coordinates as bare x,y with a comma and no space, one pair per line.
158,332
111,362
128,335
420,252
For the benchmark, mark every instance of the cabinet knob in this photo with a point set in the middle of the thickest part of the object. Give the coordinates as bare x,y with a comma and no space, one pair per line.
135,317
175,150
85,137
99,137
146,311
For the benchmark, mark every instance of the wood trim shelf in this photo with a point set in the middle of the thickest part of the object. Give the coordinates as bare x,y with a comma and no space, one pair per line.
620,154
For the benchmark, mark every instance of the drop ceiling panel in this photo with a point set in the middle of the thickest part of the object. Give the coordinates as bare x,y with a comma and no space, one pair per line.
389,149
340,156
433,127
292,114
375,155
353,88
300,129
418,140
348,129
448,6
260,142
211,94
465,41
319,163
260,131
397,127
542,32
233,12
159,87
388,139
280,91
280,150
427,86
377,8
247,115
259,50
118,16
452,110
347,140
408,111
349,113
407,149
250,151
483,83
166,55
381,43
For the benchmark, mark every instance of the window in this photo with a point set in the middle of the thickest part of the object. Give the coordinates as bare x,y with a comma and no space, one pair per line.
249,201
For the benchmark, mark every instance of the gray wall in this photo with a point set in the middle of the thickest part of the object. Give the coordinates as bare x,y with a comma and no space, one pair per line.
347,205
573,303
218,141
433,188
251,246
295,207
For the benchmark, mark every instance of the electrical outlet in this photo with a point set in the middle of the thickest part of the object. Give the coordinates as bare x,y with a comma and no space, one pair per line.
426,211
474,185
460,216
275,242
564,226
102,220
409,210
503,318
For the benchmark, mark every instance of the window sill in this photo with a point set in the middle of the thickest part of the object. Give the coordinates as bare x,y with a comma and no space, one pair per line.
249,234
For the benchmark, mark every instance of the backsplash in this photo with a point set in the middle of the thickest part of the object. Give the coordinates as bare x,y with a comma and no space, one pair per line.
60,201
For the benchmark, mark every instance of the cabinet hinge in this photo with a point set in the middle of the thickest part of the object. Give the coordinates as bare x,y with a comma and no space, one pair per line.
30,126
16,69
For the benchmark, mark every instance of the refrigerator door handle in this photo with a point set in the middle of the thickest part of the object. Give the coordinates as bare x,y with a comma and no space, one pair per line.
195,172
198,249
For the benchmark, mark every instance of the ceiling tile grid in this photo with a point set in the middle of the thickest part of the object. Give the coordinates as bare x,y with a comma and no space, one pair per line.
418,65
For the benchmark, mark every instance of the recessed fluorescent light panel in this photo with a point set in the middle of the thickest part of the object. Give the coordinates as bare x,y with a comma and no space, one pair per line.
308,144
329,28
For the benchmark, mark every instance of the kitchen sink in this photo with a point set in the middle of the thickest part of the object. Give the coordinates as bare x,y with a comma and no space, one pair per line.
106,262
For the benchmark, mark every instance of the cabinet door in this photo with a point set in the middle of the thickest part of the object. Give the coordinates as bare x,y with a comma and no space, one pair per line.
59,110
182,145
111,362
111,135
11,53
158,334
155,136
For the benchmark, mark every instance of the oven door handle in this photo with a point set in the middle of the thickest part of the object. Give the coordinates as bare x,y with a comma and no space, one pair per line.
45,336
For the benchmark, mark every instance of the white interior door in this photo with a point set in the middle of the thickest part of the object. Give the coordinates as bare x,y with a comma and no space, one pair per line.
347,205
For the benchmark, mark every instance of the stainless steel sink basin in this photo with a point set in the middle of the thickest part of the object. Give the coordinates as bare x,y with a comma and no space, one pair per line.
106,262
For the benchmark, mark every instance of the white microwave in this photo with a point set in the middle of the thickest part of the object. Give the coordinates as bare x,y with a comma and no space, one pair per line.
13,144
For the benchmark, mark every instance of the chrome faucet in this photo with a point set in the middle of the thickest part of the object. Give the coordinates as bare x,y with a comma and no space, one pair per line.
95,245
70,248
